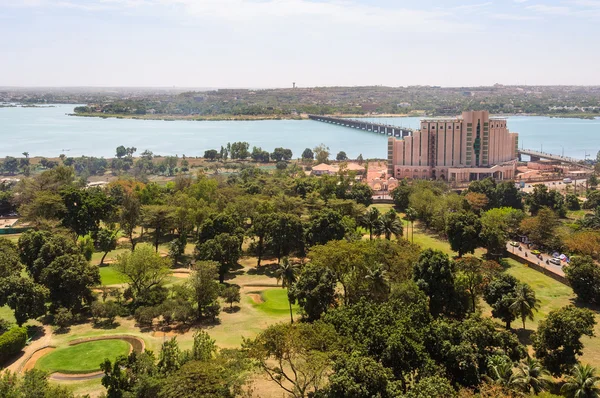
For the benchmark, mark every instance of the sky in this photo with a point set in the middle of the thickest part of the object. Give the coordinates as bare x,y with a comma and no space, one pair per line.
272,43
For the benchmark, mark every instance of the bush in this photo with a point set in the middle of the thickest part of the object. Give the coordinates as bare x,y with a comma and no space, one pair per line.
108,311
12,342
584,277
212,311
63,318
145,315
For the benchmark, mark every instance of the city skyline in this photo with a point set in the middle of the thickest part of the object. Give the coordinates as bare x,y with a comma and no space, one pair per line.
272,43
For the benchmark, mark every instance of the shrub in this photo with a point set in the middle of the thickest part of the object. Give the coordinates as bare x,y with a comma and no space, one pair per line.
12,342
212,311
63,318
145,315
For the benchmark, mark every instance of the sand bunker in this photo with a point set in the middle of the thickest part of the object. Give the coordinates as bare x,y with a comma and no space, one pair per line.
256,298
30,363
182,275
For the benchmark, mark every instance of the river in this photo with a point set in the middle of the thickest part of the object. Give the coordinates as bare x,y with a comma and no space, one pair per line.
49,131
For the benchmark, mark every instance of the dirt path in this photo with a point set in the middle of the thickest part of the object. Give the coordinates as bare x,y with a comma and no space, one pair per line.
29,350
257,298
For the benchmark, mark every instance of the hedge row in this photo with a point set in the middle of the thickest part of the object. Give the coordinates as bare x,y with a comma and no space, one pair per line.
12,342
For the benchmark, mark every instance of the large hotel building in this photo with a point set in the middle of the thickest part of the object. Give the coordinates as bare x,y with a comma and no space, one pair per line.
460,149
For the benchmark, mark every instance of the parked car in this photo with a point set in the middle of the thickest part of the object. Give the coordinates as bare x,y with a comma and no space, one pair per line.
514,244
536,252
555,261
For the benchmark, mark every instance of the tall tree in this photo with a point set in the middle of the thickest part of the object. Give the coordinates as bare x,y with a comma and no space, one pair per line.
524,302
557,342
159,218
391,225
106,240
204,285
411,216
499,294
463,231
144,269
130,216
286,273
371,220
25,297
225,249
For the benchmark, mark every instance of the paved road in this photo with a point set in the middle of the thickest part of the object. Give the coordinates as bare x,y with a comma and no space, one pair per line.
557,269
558,184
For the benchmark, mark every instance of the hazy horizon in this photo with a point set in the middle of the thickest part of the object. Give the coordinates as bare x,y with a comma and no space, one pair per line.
211,44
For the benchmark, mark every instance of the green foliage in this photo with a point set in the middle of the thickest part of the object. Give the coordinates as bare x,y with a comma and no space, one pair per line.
169,360
205,289
572,202
12,342
224,249
498,225
33,384
308,154
463,231
9,258
144,270
433,386
341,156
524,302
106,241
583,382
557,342
25,297
231,295
401,195
63,318
314,291
434,273
85,209
324,226
544,197
85,244
584,277
499,294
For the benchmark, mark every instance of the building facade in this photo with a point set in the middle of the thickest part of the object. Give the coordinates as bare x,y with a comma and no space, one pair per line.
466,148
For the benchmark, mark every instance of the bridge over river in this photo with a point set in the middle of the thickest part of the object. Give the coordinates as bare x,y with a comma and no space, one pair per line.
537,155
387,129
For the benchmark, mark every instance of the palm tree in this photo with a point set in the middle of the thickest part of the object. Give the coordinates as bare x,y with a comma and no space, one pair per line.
390,225
583,383
371,220
378,277
500,371
287,272
411,216
524,302
532,376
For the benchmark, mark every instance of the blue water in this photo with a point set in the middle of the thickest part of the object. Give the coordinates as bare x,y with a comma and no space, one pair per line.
50,132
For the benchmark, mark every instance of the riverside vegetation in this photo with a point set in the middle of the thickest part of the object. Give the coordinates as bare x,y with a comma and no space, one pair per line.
365,311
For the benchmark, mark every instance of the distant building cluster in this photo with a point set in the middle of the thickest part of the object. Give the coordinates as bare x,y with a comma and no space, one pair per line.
466,148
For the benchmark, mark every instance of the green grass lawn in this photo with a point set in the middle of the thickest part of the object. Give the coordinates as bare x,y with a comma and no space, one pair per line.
110,276
275,302
82,358
7,314
430,241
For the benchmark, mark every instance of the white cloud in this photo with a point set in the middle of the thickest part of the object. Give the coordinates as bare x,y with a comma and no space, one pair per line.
549,10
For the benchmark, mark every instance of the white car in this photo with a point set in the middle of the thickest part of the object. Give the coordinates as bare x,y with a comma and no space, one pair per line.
554,261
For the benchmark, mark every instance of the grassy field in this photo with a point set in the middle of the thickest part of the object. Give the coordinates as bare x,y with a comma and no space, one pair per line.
7,314
110,276
275,302
82,358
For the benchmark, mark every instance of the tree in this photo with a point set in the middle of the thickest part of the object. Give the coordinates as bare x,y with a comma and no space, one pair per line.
584,277
295,356
543,197
497,226
106,241
44,206
261,229
169,359
371,220
499,295
532,377
434,274
324,226
37,249
557,342
231,295
286,272
463,231
281,154
85,244
9,259
583,382
308,154
130,216
85,209
25,297
359,377
411,216
390,225
361,193
145,271
475,275
432,386
70,278
158,217
401,195
10,165
287,235
314,291
321,153
540,229
225,249
258,155
524,302
211,154
341,156
205,288
572,202
63,318
121,151
177,248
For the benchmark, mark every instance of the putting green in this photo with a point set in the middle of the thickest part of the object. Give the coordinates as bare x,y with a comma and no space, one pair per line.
275,302
82,358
